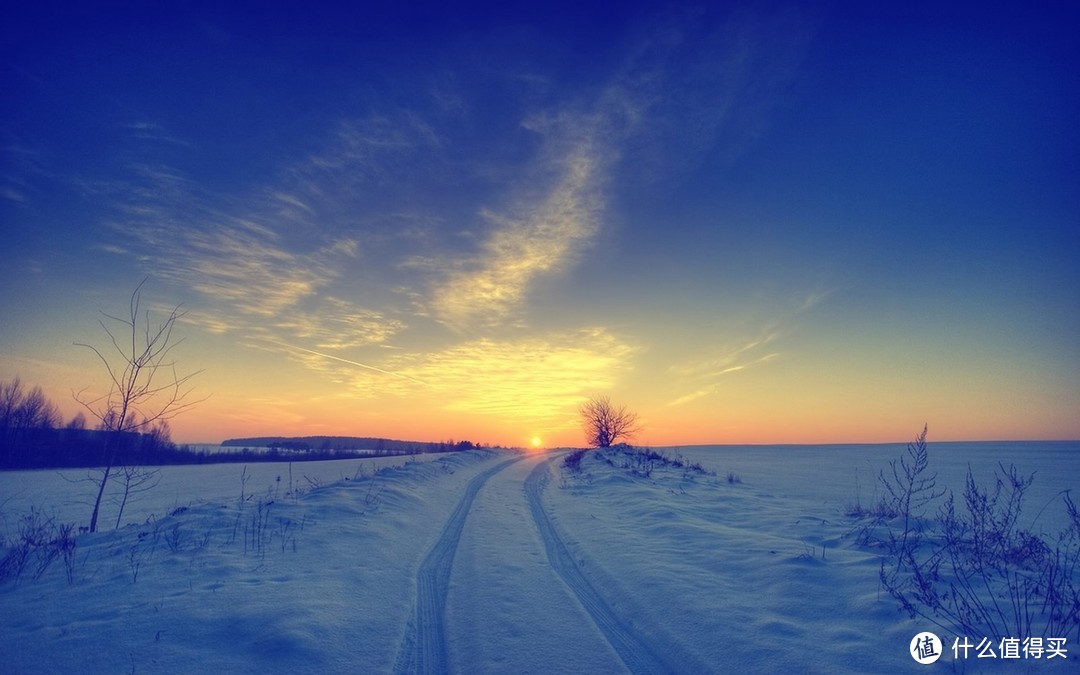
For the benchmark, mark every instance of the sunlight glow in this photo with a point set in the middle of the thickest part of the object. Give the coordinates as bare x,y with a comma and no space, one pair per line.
537,441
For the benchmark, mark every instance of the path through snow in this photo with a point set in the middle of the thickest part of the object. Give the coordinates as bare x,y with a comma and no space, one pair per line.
547,591
424,648
636,649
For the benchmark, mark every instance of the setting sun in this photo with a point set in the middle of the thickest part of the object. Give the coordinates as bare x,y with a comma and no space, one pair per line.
537,441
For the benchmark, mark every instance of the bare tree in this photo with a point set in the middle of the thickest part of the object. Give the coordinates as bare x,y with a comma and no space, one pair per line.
136,479
22,412
11,398
606,424
143,384
77,423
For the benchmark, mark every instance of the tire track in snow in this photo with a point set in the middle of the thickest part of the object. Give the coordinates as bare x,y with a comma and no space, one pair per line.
423,650
633,648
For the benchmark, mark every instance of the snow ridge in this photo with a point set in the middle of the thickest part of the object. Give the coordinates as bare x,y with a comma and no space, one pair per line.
423,649
633,648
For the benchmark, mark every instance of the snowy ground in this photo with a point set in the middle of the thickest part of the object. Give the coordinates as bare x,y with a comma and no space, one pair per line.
497,562
68,494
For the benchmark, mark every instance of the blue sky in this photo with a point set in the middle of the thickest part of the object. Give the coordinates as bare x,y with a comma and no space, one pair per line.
750,223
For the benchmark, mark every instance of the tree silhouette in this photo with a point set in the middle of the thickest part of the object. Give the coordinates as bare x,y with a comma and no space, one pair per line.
606,424
143,385
21,414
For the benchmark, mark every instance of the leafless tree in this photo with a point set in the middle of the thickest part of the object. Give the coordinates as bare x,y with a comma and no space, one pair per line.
20,412
77,423
143,384
605,423
136,480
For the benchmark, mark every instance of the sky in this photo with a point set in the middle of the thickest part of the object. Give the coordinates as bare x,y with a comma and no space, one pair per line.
747,222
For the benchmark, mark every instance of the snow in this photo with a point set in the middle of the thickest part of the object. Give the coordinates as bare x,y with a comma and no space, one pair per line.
69,494
497,562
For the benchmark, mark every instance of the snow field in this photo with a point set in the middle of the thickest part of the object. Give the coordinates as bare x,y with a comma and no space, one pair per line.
765,574
726,573
67,494
485,562
335,602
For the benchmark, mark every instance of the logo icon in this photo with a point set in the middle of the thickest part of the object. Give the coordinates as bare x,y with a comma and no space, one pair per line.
925,648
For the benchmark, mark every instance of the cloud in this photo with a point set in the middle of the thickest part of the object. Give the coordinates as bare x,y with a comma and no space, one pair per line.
375,150
813,299
339,325
537,379
690,83
543,378
246,267
23,174
714,369
693,396
540,237
255,275
306,354
388,198
705,371
11,194
293,201
151,131
213,322
725,360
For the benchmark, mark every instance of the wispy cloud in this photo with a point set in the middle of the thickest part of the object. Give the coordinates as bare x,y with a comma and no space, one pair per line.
727,359
11,194
712,373
377,150
339,325
732,69
650,112
243,257
307,353
703,373
813,299
539,379
293,201
538,237
152,131
22,174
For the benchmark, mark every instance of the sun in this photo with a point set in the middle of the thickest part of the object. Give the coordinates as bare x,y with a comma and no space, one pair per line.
537,441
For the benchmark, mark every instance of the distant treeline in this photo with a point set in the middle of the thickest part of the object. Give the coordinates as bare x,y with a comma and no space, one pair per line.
33,436
339,444
45,448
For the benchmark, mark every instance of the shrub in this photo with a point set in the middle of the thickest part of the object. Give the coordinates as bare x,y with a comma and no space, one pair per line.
908,490
572,462
40,541
974,570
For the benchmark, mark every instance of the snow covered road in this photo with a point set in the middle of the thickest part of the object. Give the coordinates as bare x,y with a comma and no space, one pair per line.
424,648
508,610
499,593
640,653
515,597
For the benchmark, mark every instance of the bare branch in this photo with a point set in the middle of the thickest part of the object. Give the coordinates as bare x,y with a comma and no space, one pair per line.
605,424
144,385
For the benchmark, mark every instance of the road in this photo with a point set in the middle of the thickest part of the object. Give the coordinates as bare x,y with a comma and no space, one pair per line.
501,591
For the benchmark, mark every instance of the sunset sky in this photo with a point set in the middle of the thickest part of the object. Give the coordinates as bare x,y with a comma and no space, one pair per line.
756,224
